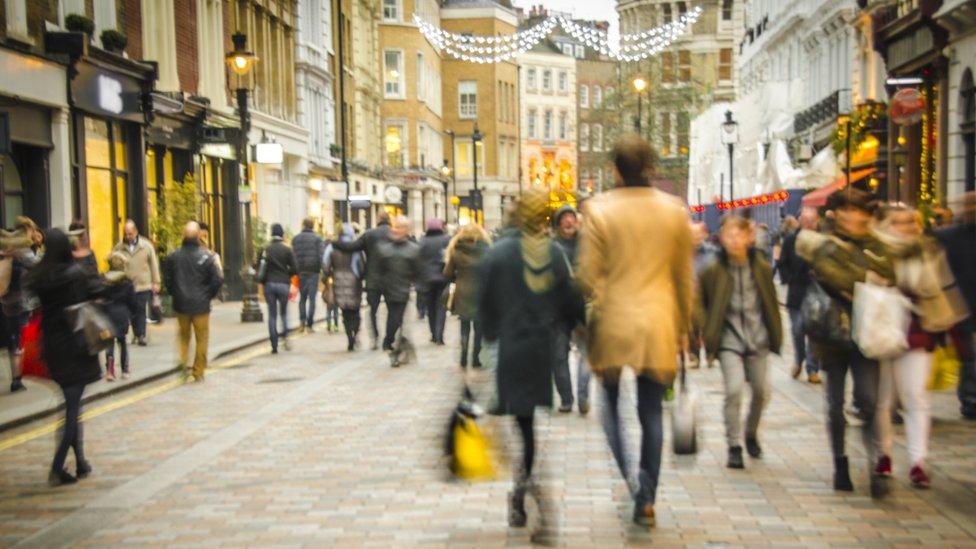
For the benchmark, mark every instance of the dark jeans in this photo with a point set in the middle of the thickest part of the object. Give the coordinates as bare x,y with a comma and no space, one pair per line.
123,352
351,321
562,375
13,324
436,310
71,431
967,382
332,315
421,302
308,287
802,353
649,412
373,299
394,321
867,376
139,313
466,338
276,294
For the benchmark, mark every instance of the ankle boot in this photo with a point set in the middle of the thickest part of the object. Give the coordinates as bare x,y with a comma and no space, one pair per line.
516,505
842,475
110,368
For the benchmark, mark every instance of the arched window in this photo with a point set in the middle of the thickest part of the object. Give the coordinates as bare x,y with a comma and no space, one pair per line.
967,108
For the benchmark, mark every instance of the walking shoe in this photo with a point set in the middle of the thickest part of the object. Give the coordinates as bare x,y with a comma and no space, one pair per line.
842,475
919,478
274,350
142,341
968,413
110,369
517,517
286,343
17,385
303,330
198,378
644,515
125,373
753,447
883,467
735,458
565,408
184,374
814,378
584,408
796,371
83,471
58,478
879,486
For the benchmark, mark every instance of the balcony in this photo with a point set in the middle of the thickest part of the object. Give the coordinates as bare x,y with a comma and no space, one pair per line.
821,111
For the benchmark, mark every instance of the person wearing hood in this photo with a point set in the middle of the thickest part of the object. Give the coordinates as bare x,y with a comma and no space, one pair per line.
565,223
346,269
432,279
369,243
59,282
280,265
464,255
120,305
193,279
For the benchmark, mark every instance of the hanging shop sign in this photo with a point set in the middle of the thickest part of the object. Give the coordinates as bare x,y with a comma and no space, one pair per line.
393,195
269,153
106,93
907,107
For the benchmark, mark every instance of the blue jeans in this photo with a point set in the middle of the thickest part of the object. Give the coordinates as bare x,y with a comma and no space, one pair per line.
276,294
649,396
803,353
561,371
308,287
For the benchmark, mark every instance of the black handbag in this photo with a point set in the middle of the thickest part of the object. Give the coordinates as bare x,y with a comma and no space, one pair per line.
91,326
825,320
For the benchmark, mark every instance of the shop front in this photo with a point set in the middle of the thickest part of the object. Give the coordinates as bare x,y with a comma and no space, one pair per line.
110,102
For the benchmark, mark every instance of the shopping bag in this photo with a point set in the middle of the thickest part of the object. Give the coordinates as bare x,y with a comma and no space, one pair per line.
466,445
880,320
945,368
684,416
31,360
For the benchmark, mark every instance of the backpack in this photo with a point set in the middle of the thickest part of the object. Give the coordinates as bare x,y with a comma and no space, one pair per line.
825,320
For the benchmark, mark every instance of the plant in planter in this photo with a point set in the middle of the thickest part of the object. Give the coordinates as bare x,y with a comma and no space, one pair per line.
335,149
79,23
113,41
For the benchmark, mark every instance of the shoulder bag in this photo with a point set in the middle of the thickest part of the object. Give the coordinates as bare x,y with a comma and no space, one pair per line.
91,326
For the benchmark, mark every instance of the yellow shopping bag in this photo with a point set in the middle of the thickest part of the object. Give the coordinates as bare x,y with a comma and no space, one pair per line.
945,368
472,457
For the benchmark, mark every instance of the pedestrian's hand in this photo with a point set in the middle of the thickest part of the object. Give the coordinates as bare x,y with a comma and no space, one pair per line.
155,288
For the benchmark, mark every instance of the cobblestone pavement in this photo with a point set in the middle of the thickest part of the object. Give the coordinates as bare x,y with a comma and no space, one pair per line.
319,447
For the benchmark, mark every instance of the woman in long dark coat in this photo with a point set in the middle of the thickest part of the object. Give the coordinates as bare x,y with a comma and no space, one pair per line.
346,270
59,282
526,297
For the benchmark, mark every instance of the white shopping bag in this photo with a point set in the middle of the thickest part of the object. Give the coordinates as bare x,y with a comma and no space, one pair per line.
880,320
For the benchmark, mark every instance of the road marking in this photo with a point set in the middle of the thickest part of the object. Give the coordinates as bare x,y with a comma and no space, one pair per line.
138,396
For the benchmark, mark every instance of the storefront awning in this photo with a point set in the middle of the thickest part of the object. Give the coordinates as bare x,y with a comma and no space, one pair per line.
818,197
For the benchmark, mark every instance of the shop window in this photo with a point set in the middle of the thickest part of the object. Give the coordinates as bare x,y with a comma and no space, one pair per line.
211,188
106,181
13,190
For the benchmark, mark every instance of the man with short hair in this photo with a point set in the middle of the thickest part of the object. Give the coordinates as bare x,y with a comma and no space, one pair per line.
143,270
370,242
398,266
193,280
309,248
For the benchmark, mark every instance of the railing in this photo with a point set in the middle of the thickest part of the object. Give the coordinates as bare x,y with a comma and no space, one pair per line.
825,109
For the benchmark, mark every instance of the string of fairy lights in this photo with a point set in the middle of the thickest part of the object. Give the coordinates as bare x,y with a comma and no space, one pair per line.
495,49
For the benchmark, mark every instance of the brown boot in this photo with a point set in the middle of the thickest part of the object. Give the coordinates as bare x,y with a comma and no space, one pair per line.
814,378
796,371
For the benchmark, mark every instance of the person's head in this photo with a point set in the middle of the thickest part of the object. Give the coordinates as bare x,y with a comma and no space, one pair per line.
78,233
533,210
384,217
852,212
699,233
57,249
26,224
118,261
566,223
472,232
898,220
633,161
789,224
191,232
809,219
736,236
277,231
308,224
435,226
400,228
131,231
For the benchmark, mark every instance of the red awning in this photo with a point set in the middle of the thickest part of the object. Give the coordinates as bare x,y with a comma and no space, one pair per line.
818,197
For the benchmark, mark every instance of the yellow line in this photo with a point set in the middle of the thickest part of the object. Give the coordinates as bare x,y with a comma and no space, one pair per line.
52,426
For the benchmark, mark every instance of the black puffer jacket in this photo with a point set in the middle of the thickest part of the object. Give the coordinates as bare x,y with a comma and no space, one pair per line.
192,278
120,302
308,248
399,266
370,243
432,247
282,264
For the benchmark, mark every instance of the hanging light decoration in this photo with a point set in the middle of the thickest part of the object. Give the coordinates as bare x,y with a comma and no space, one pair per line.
495,49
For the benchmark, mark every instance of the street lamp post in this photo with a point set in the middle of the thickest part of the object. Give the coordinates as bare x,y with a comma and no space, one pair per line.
639,86
476,138
453,176
241,61
446,172
844,108
730,136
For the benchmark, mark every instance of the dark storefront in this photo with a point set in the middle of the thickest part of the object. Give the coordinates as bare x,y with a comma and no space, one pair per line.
25,146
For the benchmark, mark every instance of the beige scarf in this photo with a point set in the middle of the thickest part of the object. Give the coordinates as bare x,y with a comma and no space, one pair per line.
533,212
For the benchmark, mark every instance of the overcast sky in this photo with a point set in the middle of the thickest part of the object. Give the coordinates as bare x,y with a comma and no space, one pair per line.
581,9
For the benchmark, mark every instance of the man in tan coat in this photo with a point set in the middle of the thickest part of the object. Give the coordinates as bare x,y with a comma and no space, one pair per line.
635,265
143,270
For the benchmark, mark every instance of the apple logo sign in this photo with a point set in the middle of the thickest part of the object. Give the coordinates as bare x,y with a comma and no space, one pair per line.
110,94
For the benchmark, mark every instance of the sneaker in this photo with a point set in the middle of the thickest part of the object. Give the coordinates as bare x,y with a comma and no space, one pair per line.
879,486
141,341
17,385
796,371
286,343
517,517
584,408
565,408
125,374
753,447
919,477
644,515
814,378
59,478
735,458
84,470
883,467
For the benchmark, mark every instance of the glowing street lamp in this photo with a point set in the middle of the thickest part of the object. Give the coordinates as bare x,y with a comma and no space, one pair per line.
639,86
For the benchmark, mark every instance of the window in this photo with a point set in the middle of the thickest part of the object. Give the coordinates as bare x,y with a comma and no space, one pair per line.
547,125
666,13
609,91
465,158
584,137
547,80
530,80
394,143
580,51
665,134
667,67
584,96
421,78
682,9
393,73
532,123
725,64
597,97
567,49
597,137
562,124
391,10
726,10
684,124
684,66
468,99
563,78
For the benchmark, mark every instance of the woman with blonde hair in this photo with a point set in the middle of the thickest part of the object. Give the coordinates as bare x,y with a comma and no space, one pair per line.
463,256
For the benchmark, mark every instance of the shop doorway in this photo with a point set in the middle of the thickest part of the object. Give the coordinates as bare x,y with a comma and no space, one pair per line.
24,185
